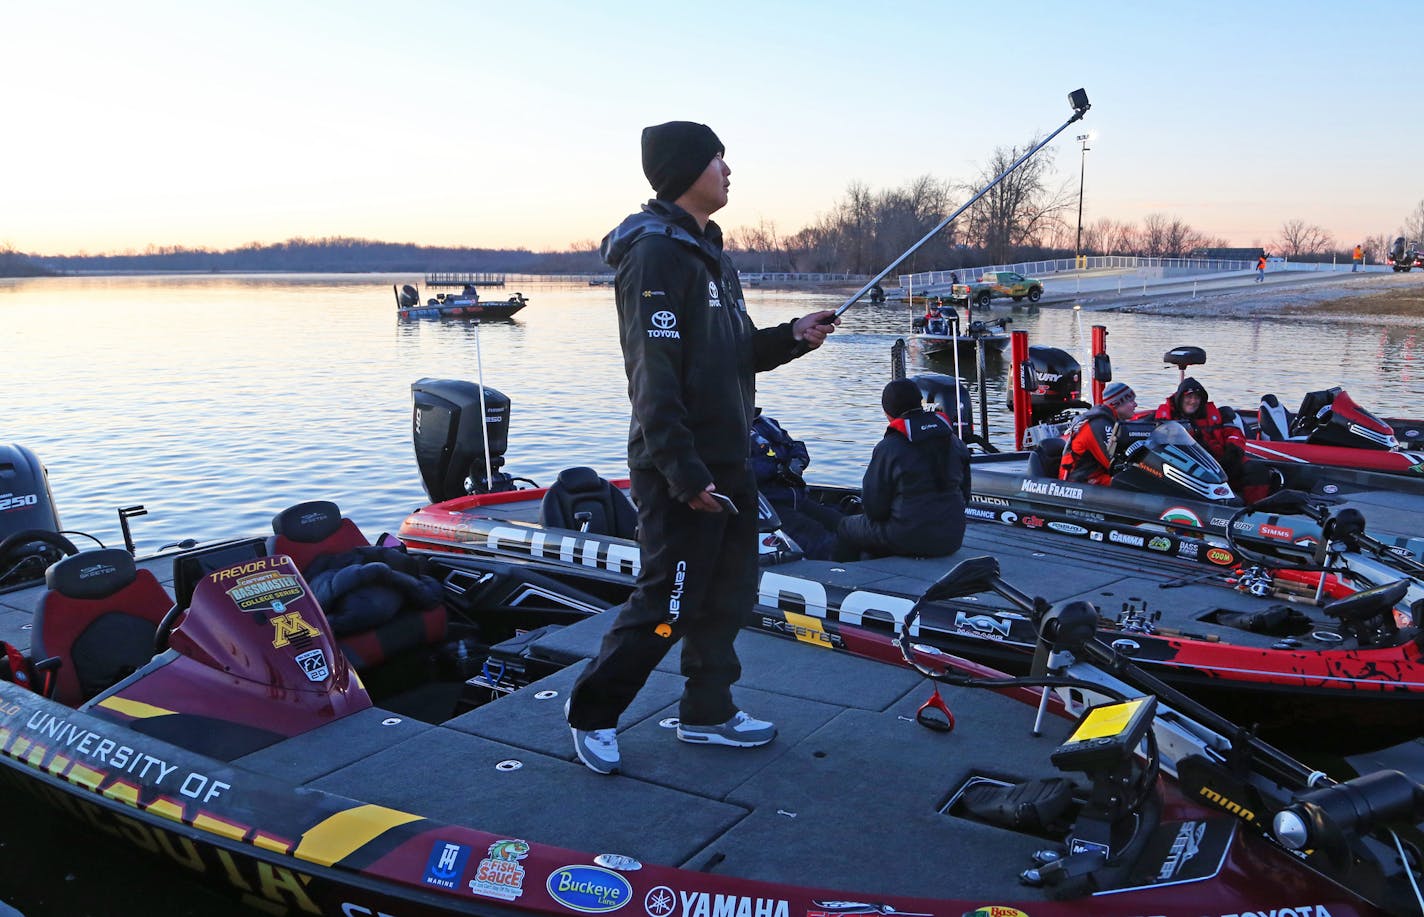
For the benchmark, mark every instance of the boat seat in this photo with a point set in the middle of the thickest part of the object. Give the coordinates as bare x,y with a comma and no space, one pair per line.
1314,408
1230,418
1045,458
1273,421
371,619
98,616
581,500
308,530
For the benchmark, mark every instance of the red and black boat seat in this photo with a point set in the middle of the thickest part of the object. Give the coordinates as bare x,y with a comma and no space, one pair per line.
581,500
1314,409
375,609
308,530
98,617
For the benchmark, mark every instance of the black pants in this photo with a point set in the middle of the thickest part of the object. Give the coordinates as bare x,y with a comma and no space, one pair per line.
811,525
858,536
703,565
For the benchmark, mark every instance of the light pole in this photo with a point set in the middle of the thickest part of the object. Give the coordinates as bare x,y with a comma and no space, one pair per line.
1082,169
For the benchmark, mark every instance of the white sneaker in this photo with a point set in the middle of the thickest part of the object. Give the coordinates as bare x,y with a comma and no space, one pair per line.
596,748
741,731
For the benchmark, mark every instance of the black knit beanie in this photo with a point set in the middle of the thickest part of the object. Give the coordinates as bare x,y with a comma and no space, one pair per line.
900,397
675,154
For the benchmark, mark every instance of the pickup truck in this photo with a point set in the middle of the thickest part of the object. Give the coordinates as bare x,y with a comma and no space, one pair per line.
1404,255
997,283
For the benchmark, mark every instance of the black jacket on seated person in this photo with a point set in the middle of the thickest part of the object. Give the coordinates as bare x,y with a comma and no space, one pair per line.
913,493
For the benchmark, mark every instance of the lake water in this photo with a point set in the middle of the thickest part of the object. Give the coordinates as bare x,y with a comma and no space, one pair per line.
216,402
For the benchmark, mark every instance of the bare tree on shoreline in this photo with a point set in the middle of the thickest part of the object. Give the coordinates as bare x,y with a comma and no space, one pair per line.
1301,239
1021,208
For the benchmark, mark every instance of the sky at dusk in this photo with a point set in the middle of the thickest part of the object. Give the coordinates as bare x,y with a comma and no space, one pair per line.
516,124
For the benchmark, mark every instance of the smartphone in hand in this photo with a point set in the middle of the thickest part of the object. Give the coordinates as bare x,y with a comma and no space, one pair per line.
727,505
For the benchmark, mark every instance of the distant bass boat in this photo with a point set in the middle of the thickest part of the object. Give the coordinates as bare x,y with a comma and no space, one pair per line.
466,304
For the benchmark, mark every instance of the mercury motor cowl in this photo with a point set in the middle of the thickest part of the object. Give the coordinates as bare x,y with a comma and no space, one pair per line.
941,392
1060,382
1163,458
456,452
29,524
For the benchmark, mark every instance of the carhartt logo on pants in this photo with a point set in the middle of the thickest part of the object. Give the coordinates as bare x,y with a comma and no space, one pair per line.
675,600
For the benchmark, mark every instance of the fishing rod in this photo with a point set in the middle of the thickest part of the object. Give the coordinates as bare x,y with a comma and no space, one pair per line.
1078,99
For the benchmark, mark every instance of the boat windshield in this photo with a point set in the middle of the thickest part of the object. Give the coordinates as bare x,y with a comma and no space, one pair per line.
1170,433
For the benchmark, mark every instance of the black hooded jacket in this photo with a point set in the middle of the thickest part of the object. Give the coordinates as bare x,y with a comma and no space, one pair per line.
916,485
690,350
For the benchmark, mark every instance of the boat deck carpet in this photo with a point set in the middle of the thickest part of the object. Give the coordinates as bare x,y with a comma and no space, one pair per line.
848,796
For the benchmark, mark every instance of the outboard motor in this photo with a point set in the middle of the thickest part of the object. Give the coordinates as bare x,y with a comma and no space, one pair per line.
1060,381
29,524
25,498
408,296
451,440
940,392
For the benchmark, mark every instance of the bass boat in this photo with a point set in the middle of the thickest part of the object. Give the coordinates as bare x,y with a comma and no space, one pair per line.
1329,429
1317,676
259,748
940,331
455,305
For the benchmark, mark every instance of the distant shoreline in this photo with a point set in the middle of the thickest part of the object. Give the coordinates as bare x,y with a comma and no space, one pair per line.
1390,298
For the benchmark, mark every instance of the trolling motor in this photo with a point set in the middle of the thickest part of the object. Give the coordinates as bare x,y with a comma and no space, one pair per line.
1369,615
1112,825
1350,826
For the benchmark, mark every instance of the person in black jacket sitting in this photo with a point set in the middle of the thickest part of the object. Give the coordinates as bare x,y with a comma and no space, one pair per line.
915,487
779,462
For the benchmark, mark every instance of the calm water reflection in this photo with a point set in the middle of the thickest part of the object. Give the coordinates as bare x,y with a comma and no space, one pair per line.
217,401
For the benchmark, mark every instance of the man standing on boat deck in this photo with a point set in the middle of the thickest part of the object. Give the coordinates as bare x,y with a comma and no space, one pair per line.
691,354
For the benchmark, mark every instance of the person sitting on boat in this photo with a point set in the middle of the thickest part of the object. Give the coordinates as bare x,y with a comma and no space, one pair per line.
779,462
470,293
939,316
1086,456
915,487
1190,405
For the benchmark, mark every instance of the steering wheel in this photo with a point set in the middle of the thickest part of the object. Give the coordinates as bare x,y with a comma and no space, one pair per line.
165,628
13,560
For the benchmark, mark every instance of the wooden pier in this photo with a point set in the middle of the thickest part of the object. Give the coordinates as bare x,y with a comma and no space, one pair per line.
460,280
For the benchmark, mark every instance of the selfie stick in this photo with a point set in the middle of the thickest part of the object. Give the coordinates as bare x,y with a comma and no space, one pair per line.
484,414
1077,98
